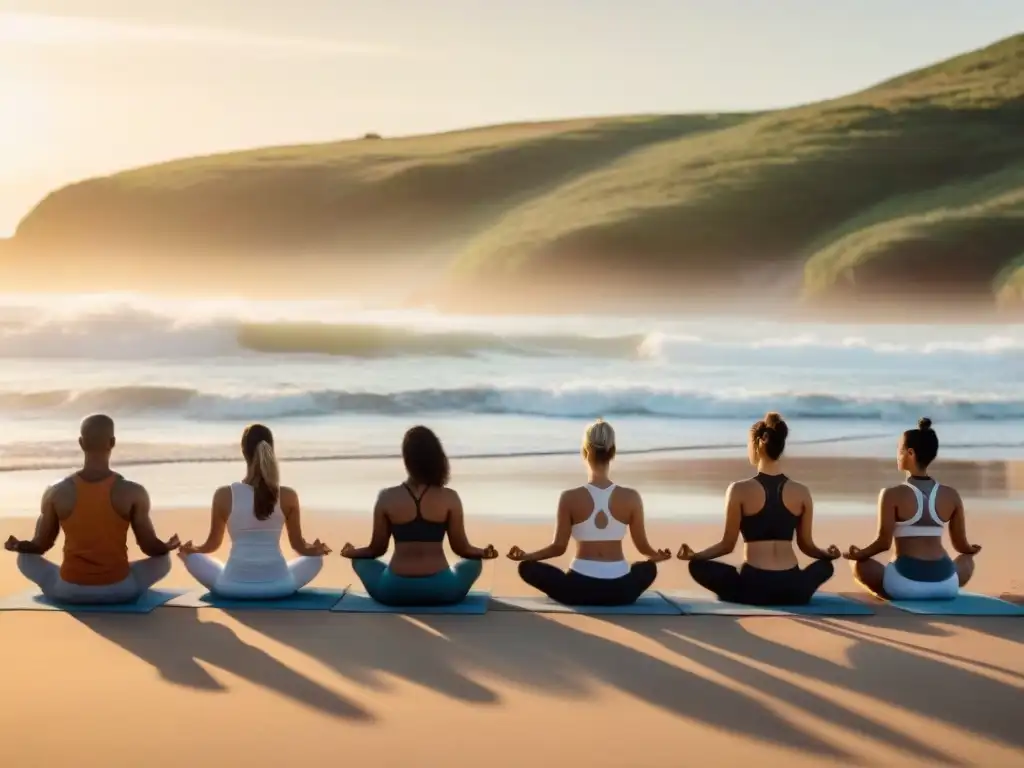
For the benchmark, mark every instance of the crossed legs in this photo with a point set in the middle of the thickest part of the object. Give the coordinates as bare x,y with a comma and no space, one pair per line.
209,571
870,574
143,575
447,587
571,588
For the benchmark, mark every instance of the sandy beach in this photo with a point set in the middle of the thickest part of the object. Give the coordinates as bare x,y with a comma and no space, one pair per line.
212,688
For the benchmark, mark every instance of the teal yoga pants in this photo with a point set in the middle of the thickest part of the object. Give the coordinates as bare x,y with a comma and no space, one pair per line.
447,587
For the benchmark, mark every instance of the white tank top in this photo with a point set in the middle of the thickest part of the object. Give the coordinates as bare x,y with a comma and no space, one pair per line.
256,555
588,530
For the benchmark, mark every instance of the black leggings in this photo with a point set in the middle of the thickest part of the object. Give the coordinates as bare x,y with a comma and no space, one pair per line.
754,586
571,588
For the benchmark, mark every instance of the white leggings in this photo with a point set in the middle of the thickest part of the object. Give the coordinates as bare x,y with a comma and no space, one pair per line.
142,575
210,573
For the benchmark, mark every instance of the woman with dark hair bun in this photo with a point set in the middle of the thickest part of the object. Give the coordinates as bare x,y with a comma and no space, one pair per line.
914,515
418,514
254,512
767,510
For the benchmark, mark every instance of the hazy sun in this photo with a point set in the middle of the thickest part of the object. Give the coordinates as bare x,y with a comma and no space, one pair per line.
23,111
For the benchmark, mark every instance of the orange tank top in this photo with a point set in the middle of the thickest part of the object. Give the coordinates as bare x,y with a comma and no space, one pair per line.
95,537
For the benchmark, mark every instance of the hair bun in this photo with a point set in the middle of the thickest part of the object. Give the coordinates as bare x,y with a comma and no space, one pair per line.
924,424
774,421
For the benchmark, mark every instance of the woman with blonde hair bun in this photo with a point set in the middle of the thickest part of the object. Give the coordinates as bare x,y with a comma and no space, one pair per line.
597,515
254,512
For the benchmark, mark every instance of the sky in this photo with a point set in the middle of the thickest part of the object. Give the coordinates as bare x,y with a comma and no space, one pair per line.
89,87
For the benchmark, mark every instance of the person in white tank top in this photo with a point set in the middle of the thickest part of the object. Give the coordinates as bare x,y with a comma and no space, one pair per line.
913,516
597,515
254,513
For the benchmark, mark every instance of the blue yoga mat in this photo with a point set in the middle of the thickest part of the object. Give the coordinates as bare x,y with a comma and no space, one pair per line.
648,604
33,600
704,604
309,599
359,602
965,604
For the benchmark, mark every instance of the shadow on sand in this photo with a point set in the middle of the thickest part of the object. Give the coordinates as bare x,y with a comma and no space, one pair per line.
444,653
451,655
916,678
173,641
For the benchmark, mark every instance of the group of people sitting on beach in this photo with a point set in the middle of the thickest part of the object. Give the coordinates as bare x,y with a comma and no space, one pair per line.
96,506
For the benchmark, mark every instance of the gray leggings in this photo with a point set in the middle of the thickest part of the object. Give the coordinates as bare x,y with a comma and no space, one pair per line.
46,575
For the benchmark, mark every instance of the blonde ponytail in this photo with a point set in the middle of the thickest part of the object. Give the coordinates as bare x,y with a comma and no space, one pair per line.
265,478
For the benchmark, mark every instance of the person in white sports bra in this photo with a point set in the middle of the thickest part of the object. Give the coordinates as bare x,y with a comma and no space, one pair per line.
597,515
914,515
255,512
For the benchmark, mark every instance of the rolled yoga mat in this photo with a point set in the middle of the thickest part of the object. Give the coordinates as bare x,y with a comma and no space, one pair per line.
34,600
308,599
476,603
648,604
965,604
694,603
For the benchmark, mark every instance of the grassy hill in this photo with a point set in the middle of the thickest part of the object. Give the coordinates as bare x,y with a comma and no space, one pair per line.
913,187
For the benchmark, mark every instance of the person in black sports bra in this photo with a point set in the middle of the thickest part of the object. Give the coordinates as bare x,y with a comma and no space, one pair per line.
418,514
767,510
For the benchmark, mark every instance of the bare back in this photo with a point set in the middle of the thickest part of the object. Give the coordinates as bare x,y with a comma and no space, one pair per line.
904,505
437,507
624,510
749,498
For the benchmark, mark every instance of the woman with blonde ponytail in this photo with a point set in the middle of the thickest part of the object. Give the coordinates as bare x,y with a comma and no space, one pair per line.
255,512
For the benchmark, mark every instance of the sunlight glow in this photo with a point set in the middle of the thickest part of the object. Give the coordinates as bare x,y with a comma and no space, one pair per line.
23,109
38,30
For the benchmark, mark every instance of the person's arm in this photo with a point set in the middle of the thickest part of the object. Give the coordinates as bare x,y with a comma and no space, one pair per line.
142,525
293,522
886,528
560,543
638,531
731,534
958,529
220,510
805,532
457,534
379,539
47,528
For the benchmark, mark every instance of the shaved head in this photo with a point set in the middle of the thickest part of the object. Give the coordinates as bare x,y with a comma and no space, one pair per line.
97,434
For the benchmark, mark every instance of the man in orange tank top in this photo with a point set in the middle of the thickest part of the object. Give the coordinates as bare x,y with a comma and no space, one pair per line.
94,507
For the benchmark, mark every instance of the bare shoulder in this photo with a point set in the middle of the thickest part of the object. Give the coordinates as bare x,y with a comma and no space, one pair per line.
950,494
61,493
289,496
388,494
129,490
741,487
64,485
451,497
573,496
893,494
627,494
797,487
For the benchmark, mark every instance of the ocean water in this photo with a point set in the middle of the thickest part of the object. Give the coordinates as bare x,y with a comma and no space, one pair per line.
338,382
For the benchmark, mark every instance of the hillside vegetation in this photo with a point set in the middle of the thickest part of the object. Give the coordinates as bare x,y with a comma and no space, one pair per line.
912,187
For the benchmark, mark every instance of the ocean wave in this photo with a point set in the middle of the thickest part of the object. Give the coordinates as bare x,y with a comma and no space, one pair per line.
561,402
146,330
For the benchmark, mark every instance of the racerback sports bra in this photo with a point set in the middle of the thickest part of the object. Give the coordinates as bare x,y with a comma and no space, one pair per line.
419,528
922,524
774,522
